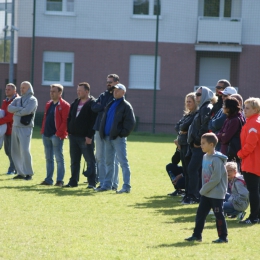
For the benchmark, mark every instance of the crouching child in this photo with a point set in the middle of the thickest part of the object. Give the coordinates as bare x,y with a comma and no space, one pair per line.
213,191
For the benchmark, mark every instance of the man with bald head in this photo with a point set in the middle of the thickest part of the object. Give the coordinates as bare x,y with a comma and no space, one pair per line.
117,123
22,132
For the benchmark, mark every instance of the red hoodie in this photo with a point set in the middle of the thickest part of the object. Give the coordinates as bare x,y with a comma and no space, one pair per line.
60,117
8,118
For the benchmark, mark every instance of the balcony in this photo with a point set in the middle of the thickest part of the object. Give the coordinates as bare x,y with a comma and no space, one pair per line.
219,34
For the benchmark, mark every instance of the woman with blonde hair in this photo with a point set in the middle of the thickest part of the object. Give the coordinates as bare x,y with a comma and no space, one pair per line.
249,153
182,128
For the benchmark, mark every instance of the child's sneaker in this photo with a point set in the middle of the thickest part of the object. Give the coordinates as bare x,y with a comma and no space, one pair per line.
249,221
241,215
219,241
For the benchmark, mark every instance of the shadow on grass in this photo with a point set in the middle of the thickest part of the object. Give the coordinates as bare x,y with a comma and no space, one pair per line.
57,191
181,213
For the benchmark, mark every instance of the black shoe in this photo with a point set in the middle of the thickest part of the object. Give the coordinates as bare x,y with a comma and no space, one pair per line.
114,189
193,238
28,177
249,221
190,200
69,186
91,187
18,177
219,241
175,193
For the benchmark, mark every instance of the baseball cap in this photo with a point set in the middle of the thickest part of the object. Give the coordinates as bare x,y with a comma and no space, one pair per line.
228,91
120,86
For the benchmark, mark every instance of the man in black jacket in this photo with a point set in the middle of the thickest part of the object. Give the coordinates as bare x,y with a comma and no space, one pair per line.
80,129
98,107
117,123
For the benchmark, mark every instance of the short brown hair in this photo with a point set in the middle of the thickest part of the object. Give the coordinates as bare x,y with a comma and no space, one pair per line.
210,138
11,85
114,76
58,86
85,85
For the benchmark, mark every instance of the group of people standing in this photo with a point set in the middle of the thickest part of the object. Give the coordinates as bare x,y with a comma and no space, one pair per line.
236,127
106,121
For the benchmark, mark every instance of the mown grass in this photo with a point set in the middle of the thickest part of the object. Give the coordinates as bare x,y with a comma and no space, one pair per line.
56,223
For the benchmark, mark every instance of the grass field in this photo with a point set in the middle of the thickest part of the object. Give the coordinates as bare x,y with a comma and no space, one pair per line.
56,223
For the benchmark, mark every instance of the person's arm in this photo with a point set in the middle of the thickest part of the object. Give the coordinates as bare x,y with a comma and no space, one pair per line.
92,119
14,106
215,178
97,105
128,122
251,141
60,132
231,129
28,109
8,117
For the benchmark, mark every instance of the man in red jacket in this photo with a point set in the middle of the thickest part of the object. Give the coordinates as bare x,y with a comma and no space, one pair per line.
54,131
10,92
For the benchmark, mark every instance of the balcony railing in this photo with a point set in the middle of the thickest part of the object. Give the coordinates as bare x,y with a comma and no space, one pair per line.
219,30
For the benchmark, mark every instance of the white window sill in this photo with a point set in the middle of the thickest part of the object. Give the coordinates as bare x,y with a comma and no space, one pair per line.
64,84
61,13
145,16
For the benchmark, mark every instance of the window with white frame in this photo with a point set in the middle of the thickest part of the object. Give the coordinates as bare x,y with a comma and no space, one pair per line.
60,6
141,74
146,7
58,67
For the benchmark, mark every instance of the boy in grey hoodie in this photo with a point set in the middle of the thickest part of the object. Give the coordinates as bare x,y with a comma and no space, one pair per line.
213,191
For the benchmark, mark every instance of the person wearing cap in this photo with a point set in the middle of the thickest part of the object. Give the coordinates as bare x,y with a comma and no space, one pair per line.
218,120
117,123
198,127
99,106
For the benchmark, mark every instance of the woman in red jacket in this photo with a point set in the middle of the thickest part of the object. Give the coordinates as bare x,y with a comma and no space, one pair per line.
249,153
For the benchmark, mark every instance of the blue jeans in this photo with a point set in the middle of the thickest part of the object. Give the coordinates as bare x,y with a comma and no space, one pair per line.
7,147
53,146
101,161
229,208
79,147
116,147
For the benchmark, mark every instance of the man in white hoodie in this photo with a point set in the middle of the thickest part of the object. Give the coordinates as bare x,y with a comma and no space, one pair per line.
22,133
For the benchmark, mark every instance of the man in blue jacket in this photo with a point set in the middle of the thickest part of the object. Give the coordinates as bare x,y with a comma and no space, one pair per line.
117,123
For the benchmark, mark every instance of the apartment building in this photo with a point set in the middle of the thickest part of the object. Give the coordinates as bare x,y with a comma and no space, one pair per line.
200,41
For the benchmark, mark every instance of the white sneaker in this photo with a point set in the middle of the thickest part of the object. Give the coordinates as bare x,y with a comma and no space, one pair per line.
241,215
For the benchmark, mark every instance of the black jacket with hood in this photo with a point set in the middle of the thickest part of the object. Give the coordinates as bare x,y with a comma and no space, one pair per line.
199,125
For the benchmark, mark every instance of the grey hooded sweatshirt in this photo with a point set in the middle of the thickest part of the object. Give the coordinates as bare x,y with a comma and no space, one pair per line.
214,176
239,194
24,105
199,126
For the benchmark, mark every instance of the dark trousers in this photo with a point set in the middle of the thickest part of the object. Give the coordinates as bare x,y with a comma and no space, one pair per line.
206,204
174,170
194,172
253,182
78,147
185,162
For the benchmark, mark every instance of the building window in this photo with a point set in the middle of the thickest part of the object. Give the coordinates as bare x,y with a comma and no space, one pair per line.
217,8
141,74
60,5
146,7
58,68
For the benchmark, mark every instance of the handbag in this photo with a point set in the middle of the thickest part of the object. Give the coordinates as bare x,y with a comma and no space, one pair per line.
26,120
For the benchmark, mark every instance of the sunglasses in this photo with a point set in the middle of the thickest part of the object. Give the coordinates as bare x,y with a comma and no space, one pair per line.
219,87
109,82
198,94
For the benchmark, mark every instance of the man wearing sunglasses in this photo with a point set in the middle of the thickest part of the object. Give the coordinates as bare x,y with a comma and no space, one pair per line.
98,107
